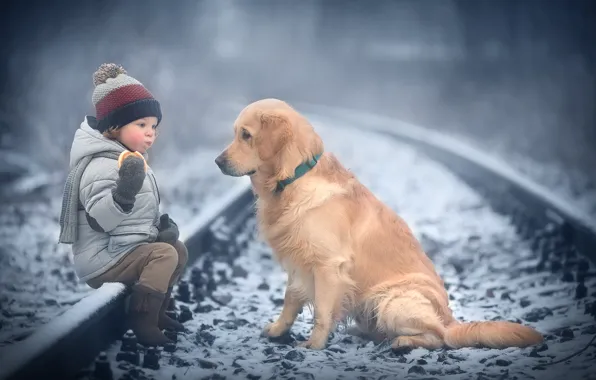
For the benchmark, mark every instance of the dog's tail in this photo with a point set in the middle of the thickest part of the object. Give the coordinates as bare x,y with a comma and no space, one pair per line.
491,334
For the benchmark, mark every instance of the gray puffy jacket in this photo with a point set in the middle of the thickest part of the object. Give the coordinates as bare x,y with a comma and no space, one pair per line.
96,252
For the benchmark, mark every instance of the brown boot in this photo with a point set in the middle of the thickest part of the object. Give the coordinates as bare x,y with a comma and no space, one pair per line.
144,307
166,322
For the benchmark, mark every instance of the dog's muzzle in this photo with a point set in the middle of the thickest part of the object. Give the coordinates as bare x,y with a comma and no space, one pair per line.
224,165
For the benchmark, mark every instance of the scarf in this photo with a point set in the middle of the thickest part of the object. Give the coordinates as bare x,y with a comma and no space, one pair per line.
70,198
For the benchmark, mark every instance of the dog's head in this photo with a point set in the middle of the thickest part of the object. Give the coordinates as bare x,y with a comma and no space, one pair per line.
269,135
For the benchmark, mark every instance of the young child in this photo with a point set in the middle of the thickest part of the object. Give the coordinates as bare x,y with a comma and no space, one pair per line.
110,208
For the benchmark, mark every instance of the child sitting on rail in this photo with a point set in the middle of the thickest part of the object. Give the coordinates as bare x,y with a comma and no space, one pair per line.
110,210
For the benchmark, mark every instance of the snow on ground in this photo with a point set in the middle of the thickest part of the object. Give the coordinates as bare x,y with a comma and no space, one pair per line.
484,263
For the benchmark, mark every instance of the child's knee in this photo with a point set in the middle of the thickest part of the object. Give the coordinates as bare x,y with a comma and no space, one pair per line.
166,254
182,253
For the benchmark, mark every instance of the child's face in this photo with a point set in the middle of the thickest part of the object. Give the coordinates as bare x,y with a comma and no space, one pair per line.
140,134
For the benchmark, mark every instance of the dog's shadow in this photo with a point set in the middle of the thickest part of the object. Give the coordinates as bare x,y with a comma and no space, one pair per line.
381,346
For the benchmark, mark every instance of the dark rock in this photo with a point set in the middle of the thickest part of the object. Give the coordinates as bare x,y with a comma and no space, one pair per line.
129,356
525,303
238,271
534,354
336,348
490,293
295,356
277,301
222,274
183,292
169,347
263,286
566,334
211,285
567,277
207,264
204,327
535,351
197,278
269,351
304,375
151,358
203,309
581,291
229,325
583,266
502,362
273,358
71,276
286,364
457,358
222,299
205,338
206,363
538,314
235,364
253,377
185,314
421,361
417,369
215,376
506,296
542,348
285,339
50,302
454,371
200,294
178,362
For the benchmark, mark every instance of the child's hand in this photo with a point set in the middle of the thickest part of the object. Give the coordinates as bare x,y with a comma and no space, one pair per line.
168,230
130,179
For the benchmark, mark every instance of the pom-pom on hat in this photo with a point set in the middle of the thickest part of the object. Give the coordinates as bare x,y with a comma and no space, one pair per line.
120,99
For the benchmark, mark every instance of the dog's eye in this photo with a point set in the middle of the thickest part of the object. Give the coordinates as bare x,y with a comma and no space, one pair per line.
245,135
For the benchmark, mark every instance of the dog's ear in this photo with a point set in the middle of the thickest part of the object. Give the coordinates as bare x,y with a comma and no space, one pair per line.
274,134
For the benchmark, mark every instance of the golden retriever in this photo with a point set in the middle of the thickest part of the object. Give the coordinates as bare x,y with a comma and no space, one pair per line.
345,252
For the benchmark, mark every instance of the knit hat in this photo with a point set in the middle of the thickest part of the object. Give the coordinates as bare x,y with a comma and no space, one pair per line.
120,99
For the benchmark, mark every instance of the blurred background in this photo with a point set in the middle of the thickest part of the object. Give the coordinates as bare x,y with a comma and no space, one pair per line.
515,78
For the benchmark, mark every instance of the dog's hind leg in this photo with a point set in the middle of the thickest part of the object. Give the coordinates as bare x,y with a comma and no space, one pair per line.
428,341
410,319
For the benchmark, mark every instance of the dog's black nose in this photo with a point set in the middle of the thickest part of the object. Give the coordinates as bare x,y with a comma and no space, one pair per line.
220,160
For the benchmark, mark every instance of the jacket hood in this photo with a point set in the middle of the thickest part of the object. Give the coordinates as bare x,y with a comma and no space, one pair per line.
88,141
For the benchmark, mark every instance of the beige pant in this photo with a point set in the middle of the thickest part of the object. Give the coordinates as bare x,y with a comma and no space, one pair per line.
157,266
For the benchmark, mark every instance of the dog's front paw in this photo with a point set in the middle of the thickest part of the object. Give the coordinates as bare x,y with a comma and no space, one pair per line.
311,345
274,330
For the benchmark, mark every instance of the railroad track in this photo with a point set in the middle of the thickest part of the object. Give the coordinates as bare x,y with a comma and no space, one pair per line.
564,239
